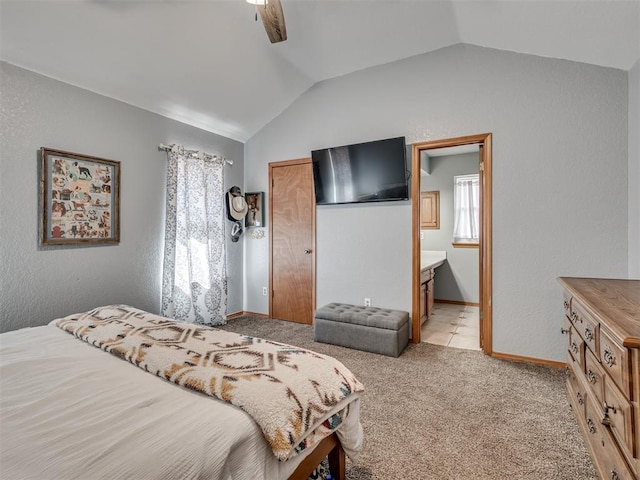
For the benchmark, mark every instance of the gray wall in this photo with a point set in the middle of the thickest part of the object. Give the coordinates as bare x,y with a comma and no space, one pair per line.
458,278
634,171
37,284
560,179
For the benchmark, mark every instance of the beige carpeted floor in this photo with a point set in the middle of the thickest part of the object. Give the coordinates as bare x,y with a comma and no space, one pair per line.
444,413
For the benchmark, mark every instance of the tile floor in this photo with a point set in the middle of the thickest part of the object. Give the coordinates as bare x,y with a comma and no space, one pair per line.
453,326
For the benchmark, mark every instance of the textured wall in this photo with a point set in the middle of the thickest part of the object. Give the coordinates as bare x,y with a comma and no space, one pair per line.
458,278
38,284
560,178
634,171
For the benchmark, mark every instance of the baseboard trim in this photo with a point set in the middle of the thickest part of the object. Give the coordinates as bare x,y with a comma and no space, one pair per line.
520,358
245,313
457,302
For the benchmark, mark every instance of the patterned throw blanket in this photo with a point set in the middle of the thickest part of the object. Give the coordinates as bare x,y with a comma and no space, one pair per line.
288,391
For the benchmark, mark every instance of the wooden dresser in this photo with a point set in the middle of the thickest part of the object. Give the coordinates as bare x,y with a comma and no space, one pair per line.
602,324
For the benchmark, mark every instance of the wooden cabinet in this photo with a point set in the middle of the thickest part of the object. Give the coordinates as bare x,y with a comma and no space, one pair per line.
427,278
423,303
602,324
430,210
430,299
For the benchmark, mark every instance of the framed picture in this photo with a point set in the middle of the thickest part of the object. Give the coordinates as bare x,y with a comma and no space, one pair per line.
80,201
255,214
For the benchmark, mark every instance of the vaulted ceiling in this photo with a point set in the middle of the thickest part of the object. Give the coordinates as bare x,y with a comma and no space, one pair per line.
208,63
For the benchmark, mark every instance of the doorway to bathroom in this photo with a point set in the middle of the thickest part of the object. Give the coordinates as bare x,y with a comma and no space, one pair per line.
451,198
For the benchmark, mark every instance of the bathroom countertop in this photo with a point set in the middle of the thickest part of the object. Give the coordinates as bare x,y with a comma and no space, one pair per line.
432,259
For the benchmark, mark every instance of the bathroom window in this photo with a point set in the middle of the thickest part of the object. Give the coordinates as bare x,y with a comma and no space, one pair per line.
466,206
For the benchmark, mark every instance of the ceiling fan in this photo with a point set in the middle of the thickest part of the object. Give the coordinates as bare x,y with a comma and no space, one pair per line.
272,19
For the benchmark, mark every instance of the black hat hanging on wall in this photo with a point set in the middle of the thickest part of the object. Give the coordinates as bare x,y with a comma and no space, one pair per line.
236,210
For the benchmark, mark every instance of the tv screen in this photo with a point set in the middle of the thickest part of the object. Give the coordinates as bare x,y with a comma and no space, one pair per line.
363,172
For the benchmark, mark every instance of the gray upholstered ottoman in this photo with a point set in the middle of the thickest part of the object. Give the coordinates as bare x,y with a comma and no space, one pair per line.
376,330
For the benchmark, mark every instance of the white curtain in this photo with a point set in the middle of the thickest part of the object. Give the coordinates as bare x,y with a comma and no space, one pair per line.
466,208
194,285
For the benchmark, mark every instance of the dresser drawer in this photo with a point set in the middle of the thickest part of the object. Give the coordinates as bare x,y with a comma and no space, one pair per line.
587,326
595,376
609,461
566,330
567,303
620,417
576,348
575,390
614,466
426,275
615,362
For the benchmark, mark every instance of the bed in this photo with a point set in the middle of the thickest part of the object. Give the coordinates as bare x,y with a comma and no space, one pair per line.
81,399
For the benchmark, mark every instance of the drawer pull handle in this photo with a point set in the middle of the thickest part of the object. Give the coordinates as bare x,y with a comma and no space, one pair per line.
592,377
609,358
580,398
569,372
614,475
566,305
592,426
608,407
588,334
605,417
575,317
574,347
564,331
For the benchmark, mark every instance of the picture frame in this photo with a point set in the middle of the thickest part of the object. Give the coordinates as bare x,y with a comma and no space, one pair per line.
80,199
255,215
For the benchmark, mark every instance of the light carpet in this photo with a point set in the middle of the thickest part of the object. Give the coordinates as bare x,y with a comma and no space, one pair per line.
445,413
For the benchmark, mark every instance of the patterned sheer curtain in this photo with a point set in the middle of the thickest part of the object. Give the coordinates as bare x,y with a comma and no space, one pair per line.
466,204
194,285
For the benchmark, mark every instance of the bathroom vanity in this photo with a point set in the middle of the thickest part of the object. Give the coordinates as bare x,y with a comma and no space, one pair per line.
429,261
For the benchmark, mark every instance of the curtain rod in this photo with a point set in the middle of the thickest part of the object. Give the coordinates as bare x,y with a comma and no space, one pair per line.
195,153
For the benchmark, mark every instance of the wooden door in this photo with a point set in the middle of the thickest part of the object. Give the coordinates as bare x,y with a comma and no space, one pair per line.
292,241
481,325
484,141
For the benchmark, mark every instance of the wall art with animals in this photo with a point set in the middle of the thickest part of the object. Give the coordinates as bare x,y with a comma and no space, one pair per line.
80,203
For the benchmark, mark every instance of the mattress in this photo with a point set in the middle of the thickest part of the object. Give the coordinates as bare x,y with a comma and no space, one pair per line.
69,410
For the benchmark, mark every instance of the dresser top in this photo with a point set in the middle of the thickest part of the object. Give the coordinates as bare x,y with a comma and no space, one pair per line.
616,301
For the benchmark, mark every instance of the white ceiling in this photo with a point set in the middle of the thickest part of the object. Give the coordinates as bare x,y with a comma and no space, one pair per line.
209,64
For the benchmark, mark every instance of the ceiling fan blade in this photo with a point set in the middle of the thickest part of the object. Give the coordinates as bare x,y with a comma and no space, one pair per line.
273,21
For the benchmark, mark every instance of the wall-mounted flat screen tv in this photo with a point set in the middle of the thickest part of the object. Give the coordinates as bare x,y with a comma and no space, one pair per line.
363,172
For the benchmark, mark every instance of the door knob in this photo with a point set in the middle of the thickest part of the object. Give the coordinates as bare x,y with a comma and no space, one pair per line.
307,251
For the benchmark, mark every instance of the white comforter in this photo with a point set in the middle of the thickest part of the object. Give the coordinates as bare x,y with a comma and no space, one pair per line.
71,411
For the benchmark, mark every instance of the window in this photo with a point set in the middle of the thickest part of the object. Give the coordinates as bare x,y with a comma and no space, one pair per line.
466,206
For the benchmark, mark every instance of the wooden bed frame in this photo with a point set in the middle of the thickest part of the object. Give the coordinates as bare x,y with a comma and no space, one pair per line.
329,446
